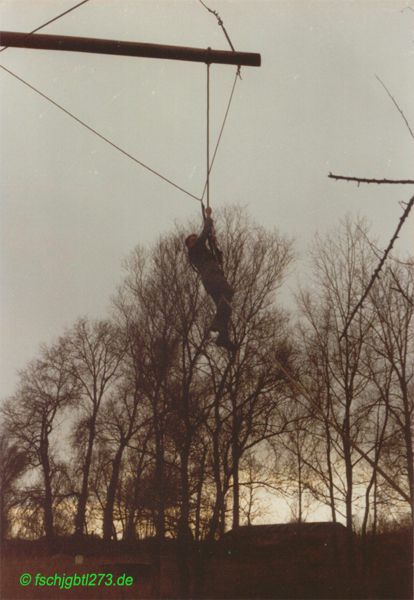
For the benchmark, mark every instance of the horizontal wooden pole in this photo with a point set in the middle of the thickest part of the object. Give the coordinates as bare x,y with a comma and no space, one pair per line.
99,46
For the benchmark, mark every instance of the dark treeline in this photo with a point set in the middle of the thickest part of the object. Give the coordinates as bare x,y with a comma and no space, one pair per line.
140,426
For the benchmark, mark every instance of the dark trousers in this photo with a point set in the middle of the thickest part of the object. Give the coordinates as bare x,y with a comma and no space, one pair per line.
217,286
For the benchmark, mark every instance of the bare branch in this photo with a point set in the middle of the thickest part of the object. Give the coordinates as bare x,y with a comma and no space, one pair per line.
396,105
378,252
399,289
379,267
366,180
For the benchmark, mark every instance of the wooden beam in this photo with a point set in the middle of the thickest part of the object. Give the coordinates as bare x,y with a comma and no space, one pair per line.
99,46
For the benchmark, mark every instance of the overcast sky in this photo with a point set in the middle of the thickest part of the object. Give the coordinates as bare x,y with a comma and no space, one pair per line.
72,207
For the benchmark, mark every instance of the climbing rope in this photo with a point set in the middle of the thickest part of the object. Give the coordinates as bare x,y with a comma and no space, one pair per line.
208,136
212,242
209,165
221,130
211,238
206,188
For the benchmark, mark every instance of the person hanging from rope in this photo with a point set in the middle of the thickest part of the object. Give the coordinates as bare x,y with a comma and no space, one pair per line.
207,259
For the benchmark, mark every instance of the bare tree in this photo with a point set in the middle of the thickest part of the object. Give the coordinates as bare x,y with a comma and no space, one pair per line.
392,342
295,452
13,464
158,303
46,387
144,309
255,475
338,384
119,423
96,352
248,387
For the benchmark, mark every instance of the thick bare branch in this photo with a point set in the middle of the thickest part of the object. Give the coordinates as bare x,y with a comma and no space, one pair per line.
379,267
359,180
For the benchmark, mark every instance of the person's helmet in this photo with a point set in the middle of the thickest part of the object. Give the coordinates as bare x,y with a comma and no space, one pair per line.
190,239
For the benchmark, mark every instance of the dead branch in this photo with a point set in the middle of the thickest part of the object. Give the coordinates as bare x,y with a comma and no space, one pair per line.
365,180
379,267
396,106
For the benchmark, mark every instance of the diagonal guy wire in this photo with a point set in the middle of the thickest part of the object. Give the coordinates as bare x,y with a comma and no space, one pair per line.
100,135
51,21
